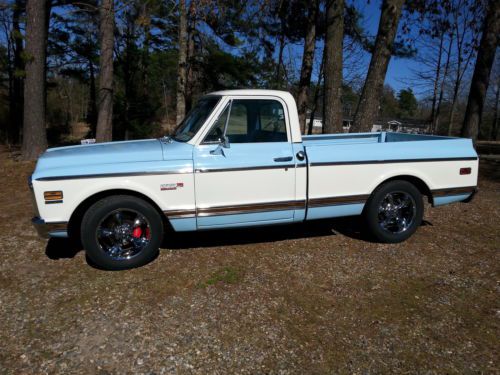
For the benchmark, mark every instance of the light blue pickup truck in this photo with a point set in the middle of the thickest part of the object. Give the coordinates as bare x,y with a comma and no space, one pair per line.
237,160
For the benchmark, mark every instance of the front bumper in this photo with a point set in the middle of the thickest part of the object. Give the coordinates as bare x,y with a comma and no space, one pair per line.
48,230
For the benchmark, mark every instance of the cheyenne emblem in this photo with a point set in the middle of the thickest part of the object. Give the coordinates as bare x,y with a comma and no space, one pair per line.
171,186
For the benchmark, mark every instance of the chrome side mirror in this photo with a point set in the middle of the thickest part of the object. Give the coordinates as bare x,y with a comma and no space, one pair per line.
223,143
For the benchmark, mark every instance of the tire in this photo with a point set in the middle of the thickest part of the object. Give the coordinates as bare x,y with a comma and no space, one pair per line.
121,232
397,221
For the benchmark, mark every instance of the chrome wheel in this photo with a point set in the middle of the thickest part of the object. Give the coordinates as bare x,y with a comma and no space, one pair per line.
397,212
123,234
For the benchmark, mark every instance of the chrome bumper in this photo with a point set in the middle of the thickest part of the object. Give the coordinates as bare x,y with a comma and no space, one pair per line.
471,197
48,230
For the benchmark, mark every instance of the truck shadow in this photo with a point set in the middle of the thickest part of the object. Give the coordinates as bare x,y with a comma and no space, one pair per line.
62,248
353,227
349,226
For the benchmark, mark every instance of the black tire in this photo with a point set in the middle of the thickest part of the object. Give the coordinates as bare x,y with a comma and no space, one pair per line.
385,221
121,204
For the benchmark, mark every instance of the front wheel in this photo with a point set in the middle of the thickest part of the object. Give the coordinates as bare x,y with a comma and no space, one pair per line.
394,211
121,232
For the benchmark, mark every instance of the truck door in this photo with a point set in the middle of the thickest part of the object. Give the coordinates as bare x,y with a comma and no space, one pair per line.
245,167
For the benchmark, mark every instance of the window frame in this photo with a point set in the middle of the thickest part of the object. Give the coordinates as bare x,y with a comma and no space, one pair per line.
228,101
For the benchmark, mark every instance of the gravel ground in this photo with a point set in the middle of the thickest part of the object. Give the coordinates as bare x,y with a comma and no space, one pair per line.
316,298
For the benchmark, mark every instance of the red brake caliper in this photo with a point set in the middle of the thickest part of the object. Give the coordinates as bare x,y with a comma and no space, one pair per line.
137,233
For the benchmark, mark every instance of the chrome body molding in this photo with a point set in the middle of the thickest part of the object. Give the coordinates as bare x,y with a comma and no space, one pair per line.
454,191
235,209
250,208
53,202
264,207
236,169
389,161
335,201
120,174
180,213
48,230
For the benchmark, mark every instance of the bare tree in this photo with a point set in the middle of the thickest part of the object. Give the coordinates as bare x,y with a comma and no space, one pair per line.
16,93
463,13
435,88
333,66
182,63
106,36
494,125
382,51
482,70
307,63
436,118
34,134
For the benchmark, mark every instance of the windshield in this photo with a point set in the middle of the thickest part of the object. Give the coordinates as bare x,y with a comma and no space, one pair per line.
195,118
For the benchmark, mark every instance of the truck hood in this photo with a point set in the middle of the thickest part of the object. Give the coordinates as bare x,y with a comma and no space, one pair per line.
112,156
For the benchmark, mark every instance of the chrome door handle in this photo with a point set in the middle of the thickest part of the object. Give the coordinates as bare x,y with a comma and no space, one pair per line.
286,158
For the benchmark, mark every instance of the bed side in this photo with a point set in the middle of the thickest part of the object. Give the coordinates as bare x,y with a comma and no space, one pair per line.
343,175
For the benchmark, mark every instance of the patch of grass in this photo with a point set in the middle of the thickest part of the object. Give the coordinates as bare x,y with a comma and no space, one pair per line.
226,275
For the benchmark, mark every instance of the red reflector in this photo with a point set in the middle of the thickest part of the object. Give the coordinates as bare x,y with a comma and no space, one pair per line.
465,170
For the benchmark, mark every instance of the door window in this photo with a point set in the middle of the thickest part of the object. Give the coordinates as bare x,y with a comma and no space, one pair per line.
250,121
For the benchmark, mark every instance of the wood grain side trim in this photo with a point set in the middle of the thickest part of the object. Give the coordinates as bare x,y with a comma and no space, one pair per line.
453,191
334,201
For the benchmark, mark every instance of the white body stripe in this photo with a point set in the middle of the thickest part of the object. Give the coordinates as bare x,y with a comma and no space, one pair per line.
359,179
76,191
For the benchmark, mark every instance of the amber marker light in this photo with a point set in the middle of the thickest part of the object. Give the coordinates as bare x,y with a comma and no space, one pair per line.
53,196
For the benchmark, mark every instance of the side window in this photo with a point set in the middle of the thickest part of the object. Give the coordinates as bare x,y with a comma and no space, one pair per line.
237,127
272,121
217,130
251,121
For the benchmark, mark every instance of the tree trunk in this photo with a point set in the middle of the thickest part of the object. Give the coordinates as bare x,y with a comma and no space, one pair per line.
190,58
369,101
435,125
317,90
106,36
482,70
92,103
456,88
34,133
16,104
307,64
333,67
436,82
494,126
182,64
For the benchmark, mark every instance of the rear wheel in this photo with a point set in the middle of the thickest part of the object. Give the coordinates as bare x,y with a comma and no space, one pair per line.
394,211
121,232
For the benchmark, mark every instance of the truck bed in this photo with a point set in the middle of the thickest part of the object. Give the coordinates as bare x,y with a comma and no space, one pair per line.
382,137
349,167
377,147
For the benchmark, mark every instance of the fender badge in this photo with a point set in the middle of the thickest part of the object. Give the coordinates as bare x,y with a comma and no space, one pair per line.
173,186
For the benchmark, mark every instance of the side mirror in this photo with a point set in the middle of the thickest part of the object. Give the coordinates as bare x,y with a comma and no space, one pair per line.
224,141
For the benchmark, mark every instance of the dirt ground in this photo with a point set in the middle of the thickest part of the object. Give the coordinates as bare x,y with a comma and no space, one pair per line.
316,298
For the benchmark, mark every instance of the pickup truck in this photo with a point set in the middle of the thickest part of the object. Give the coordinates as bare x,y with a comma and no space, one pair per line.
238,159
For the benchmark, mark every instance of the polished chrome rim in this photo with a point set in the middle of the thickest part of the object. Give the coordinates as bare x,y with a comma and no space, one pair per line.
123,234
397,212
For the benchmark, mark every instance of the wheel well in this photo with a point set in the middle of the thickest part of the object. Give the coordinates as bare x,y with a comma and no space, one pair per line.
417,182
77,215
